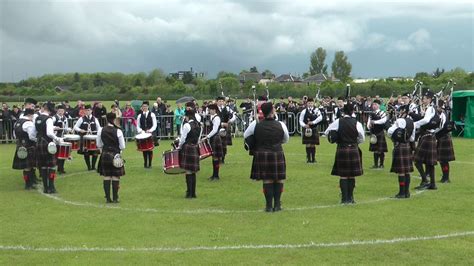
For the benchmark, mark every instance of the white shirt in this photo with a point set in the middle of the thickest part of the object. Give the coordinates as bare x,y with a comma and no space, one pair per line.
216,121
29,127
316,111
120,137
401,123
335,126
429,113
50,128
442,117
77,126
251,130
153,119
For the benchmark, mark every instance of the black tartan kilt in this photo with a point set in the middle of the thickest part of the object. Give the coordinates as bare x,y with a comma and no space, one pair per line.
28,162
106,166
228,137
381,145
314,139
402,159
189,157
445,149
348,161
427,150
216,145
84,151
43,157
268,165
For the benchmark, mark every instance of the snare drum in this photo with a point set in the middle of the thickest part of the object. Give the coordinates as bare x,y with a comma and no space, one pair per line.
205,150
64,150
171,163
74,140
90,142
144,142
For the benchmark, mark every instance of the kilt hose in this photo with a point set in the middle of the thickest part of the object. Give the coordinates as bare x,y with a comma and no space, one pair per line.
445,149
402,158
381,145
426,151
43,157
189,157
106,166
216,145
313,139
268,165
28,162
348,161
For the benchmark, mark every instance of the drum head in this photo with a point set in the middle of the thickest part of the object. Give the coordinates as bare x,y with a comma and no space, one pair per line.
72,137
143,135
65,144
90,137
22,153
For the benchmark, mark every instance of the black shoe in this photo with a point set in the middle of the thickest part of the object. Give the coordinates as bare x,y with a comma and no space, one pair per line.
400,196
115,201
277,208
374,167
423,185
407,195
52,191
268,209
108,201
381,166
432,187
213,178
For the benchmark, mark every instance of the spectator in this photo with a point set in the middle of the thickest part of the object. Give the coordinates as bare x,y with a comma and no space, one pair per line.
281,106
100,112
168,121
161,105
158,114
128,121
246,106
178,117
118,114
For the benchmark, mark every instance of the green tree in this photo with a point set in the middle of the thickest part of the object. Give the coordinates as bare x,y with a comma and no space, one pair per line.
267,74
224,74
341,66
155,76
254,69
317,62
77,77
188,77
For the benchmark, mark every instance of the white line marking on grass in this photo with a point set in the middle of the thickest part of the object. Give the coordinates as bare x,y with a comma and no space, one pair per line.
237,247
204,211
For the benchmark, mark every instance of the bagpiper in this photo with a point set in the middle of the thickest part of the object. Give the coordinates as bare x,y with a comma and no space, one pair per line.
378,143
25,159
215,140
445,143
309,119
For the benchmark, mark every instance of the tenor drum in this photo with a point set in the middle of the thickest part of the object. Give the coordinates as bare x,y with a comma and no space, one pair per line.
171,162
144,142
205,150
64,150
74,140
90,142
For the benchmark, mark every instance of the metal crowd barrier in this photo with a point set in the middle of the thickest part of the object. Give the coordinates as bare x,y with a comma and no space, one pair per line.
167,129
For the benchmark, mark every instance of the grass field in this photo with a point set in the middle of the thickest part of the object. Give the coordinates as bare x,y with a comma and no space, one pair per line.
226,224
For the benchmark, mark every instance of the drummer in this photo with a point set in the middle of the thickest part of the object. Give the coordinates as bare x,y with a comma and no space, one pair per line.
189,151
215,140
89,125
146,124
110,139
60,123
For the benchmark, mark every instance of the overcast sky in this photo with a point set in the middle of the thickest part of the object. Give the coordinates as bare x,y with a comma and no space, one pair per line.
391,38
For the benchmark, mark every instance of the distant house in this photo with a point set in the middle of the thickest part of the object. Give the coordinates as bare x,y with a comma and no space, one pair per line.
250,76
288,78
62,88
319,78
180,74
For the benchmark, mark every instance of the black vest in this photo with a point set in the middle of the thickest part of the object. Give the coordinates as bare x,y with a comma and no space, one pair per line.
211,125
61,123
86,122
377,128
193,134
146,122
40,125
110,139
347,132
21,135
268,135
224,115
310,116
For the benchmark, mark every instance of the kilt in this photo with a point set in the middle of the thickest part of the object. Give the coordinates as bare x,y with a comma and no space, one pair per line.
216,145
381,145
348,161
268,165
228,138
426,151
314,139
189,157
43,157
84,151
28,162
106,166
445,149
402,159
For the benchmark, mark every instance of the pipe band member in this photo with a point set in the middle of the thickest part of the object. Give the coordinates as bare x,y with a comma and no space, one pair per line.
146,123
60,123
376,125
227,118
269,164
348,161
110,139
309,119
189,151
88,124
445,143
215,140
25,132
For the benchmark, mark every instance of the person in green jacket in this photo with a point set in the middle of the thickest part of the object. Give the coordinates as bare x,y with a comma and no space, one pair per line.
178,117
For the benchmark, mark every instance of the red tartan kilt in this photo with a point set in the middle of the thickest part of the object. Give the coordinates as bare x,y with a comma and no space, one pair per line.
381,145
348,161
43,157
189,157
445,149
28,162
426,151
268,165
216,145
106,166
314,139
402,159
